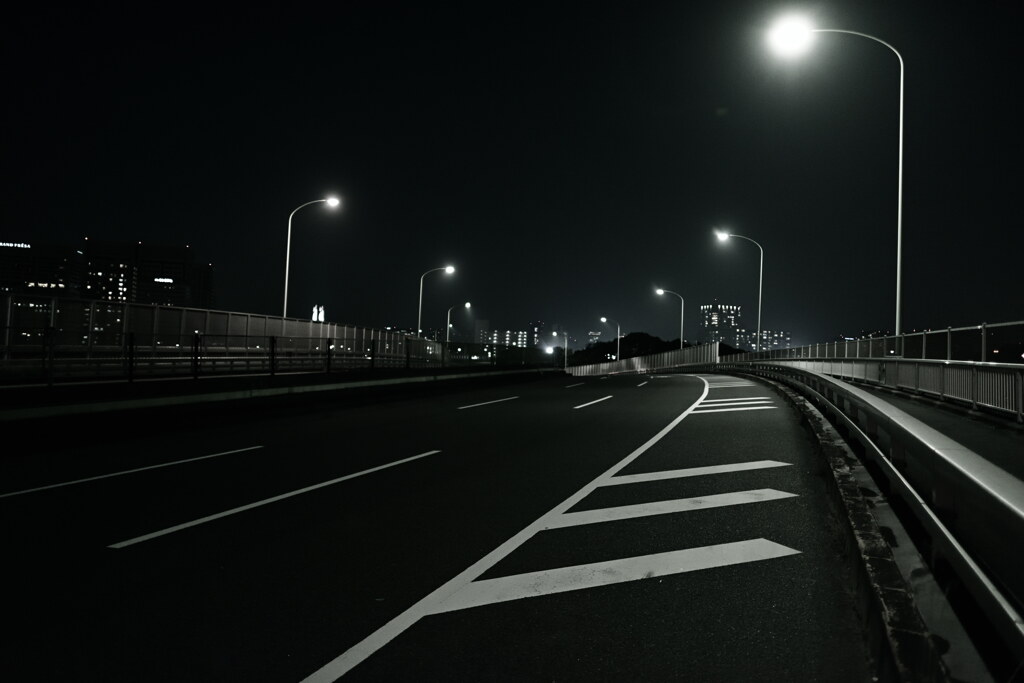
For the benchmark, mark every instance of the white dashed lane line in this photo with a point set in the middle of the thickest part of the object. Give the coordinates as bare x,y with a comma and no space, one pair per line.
131,471
591,403
487,403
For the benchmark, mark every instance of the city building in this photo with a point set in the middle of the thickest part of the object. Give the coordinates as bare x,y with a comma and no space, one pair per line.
770,339
721,323
124,272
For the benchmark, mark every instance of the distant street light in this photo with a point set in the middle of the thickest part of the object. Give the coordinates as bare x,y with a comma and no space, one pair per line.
565,348
332,202
618,338
682,310
448,327
722,236
419,317
792,36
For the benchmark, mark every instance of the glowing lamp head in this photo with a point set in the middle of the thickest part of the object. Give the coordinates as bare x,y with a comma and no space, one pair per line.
604,319
549,350
467,305
333,202
449,269
791,36
659,291
722,235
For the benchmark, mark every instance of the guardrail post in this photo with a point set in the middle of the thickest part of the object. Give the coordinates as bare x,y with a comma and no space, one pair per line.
330,347
130,355
984,340
195,355
949,343
1020,397
273,355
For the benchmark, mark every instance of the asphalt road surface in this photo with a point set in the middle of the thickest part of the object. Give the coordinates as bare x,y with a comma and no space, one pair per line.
640,528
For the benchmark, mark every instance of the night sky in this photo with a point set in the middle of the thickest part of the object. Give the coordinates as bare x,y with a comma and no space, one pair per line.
565,157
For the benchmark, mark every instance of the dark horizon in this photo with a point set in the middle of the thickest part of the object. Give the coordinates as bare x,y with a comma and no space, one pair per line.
567,160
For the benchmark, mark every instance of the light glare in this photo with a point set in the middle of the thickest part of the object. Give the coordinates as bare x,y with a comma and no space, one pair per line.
333,202
449,269
660,291
467,304
722,235
791,36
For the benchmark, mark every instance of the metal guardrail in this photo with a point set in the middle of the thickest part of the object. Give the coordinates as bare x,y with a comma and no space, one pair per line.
969,509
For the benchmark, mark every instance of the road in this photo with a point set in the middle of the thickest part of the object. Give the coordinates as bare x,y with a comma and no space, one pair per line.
628,528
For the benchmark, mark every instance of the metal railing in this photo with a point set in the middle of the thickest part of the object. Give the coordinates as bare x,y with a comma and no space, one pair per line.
50,340
667,360
987,343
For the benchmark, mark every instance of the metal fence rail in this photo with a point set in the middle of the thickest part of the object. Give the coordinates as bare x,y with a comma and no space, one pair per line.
705,353
50,339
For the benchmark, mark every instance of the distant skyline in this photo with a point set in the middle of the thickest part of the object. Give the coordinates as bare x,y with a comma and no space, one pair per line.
567,158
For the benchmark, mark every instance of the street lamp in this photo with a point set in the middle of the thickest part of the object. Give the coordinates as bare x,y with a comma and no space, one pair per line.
419,317
332,202
618,338
448,327
565,349
722,236
682,311
793,36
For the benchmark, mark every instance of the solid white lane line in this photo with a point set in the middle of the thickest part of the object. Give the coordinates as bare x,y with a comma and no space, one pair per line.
487,403
730,386
344,662
695,472
132,471
611,572
578,384
641,384
727,410
730,400
665,507
265,501
591,403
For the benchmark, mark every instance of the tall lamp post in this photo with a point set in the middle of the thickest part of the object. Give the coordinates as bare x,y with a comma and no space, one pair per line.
419,316
793,36
722,236
448,326
682,310
565,349
618,338
332,202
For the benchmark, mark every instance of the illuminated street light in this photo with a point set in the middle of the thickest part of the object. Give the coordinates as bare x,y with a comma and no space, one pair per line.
448,327
419,316
566,348
682,309
722,236
618,337
793,36
332,202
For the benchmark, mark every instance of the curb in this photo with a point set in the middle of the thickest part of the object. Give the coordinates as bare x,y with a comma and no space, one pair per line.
898,640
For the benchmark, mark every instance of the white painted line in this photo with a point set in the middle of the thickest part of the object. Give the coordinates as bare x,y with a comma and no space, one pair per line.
665,507
266,501
730,386
591,403
337,667
608,573
641,384
604,378
487,403
578,384
695,472
728,410
132,471
730,400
